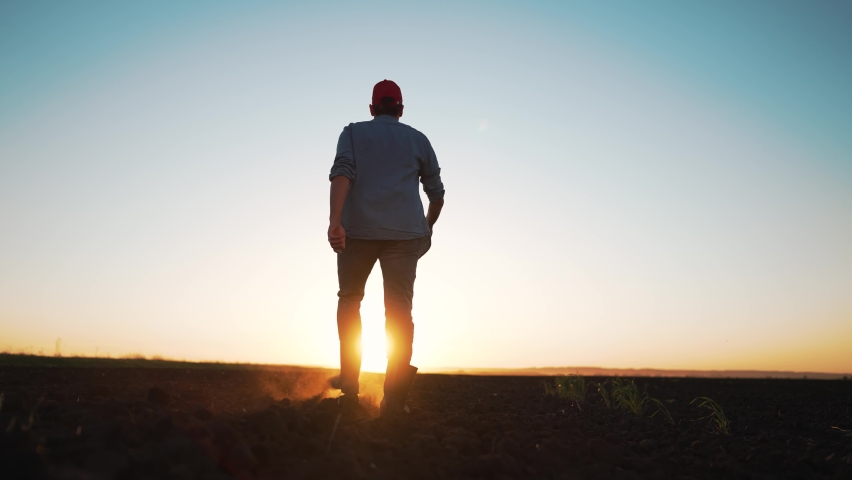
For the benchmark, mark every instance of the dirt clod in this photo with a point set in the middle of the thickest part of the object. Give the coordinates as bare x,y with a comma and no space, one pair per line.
159,396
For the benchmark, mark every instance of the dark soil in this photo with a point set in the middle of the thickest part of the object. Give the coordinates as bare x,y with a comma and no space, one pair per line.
263,423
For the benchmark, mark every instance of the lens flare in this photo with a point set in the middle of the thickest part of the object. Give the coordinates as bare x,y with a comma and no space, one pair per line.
373,347
373,352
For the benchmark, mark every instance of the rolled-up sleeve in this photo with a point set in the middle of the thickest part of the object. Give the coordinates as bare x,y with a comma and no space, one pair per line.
344,160
430,174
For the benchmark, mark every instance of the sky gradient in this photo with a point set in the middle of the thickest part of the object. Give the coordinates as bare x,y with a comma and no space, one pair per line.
629,184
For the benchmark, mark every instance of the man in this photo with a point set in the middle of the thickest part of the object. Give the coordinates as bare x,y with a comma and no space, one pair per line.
376,214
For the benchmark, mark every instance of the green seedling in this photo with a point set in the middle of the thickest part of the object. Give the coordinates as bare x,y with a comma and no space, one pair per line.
716,416
661,409
604,393
572,387
627,397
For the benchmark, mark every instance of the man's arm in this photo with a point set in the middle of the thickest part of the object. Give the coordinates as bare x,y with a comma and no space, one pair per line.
430,177
336,233
434,212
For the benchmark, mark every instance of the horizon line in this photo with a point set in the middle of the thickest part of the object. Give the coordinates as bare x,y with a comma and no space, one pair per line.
517,371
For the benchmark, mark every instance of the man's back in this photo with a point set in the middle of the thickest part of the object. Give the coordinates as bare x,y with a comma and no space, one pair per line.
376,215
385,160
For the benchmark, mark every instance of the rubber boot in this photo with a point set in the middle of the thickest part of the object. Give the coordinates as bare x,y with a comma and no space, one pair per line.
336,382
398,381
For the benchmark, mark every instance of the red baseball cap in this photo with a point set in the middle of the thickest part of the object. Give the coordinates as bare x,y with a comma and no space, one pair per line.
387,88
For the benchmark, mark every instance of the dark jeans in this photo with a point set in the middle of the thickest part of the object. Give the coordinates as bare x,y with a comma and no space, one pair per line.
398,259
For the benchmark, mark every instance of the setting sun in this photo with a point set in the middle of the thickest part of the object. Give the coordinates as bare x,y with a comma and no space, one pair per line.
373,346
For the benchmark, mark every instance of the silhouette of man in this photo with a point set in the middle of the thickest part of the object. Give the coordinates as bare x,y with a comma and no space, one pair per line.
376,214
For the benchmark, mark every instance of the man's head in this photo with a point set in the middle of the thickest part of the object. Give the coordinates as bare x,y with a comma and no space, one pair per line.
387,99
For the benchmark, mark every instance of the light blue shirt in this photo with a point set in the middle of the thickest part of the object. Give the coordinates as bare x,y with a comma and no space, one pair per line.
385,160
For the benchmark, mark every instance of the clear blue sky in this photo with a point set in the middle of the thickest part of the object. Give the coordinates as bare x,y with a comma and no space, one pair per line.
630,184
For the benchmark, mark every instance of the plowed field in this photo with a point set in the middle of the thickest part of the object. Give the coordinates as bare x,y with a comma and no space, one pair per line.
186,423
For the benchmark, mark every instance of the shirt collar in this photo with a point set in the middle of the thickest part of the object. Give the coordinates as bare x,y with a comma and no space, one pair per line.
385,118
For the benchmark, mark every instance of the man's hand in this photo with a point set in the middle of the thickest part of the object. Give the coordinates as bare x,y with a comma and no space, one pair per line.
337,237
336,233
433,213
